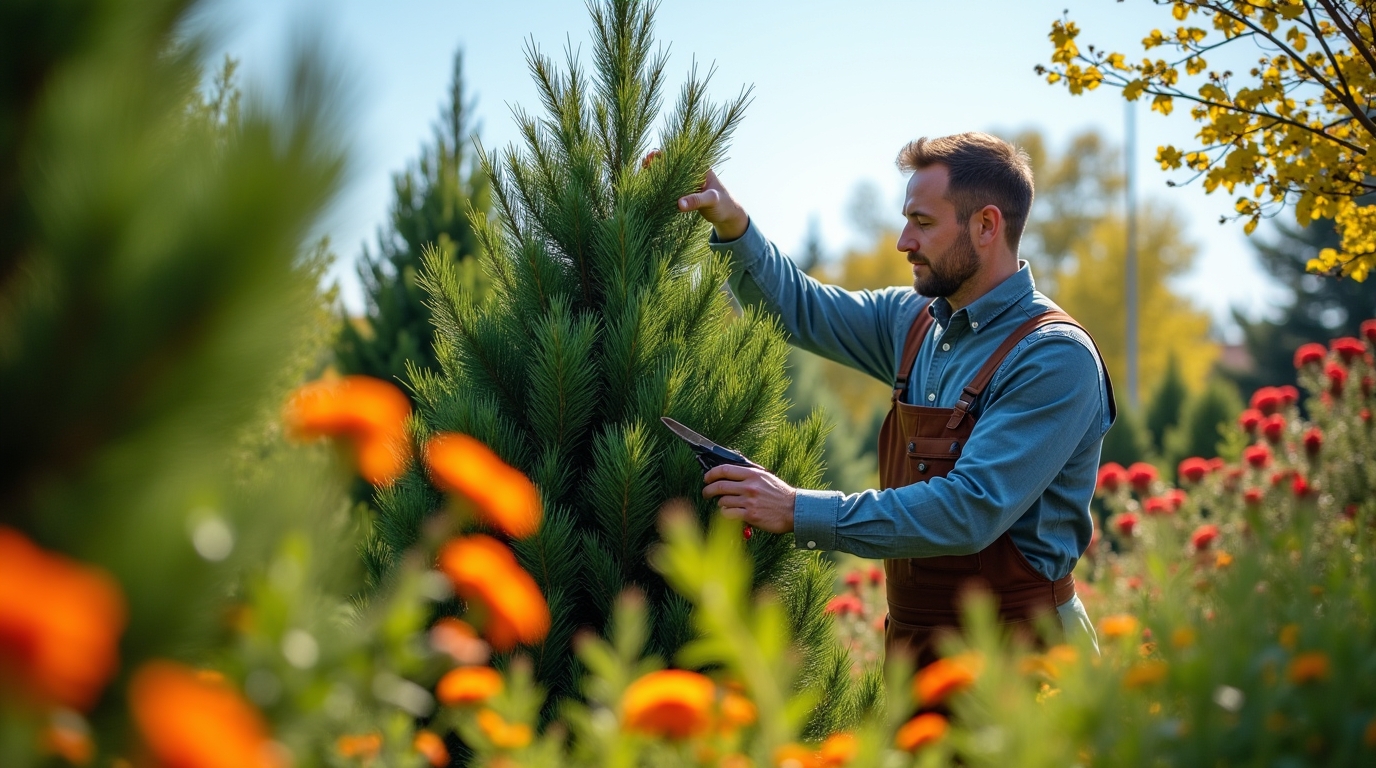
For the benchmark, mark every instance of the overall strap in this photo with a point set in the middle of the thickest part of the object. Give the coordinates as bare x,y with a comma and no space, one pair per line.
916,333
991,366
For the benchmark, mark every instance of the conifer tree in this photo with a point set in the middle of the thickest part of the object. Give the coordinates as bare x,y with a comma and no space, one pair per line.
1163,412
605,313
431,206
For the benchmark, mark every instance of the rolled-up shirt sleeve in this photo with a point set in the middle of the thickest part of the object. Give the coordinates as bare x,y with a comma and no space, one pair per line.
1041,408
854,328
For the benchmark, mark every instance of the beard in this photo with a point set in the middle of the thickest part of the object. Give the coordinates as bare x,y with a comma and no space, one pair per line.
948,271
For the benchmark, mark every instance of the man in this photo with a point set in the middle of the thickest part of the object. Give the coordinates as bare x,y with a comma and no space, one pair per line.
989,454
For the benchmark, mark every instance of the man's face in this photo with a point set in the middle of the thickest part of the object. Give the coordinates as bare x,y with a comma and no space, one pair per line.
938,244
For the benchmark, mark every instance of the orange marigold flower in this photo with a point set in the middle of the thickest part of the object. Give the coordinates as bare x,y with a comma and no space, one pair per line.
944,677
1308,667
673,703
502,734
1145,673
838,750
60,622
737,711
926,728
1118,625
1289,636
190,722
484,571
504,497
794,756
1183,637
431,747
468,685
364,746
369,412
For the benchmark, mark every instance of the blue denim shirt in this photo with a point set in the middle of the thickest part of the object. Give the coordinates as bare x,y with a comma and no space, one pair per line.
1029,466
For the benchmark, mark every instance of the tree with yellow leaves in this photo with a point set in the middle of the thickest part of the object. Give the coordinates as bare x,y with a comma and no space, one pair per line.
1300,130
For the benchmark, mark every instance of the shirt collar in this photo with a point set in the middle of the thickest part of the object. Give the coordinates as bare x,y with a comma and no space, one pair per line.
982,311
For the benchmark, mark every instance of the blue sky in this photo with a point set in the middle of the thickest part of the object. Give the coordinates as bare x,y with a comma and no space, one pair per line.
838,88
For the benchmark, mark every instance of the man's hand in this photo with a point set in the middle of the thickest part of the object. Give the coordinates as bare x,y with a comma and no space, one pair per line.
714,204
752,495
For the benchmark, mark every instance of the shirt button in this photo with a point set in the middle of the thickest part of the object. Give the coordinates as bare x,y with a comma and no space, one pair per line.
946,347
931,396
974,324
812,545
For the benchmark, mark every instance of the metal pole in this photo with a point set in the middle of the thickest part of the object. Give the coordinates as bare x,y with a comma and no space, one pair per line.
1130,157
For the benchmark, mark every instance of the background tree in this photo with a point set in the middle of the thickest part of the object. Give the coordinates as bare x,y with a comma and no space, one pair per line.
431,206
1318,309
1300,131
605,313
1163,411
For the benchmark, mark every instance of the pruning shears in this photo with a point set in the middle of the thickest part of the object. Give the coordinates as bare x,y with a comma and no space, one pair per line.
710,454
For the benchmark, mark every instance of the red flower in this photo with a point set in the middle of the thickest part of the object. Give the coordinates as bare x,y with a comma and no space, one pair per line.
1278,477
844,605
1365,415
1157,505
853,580
1253,496
1215,464
1301,487
1273,427
1141,475
1134,582
1288,395
1258,456
1369,331
1203,536
1176,498
1368,383
1313,441
1194,469
876,575
1348,348
1249,419
1232,477
1337,377
1125,523
1266,400
1310,354
1111,477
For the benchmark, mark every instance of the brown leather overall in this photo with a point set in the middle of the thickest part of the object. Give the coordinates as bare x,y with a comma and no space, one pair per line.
916,444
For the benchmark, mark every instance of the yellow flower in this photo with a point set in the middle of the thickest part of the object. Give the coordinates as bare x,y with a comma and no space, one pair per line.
502,734
1308,667
1144,673
1118,625
468,685
1182,637
1289,636
672,703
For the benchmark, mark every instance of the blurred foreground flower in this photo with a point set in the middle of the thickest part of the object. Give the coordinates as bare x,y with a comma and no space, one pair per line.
468,685
190,720
926,728
485,573
943,677
504,497
673,703
369,412
431,747
60,623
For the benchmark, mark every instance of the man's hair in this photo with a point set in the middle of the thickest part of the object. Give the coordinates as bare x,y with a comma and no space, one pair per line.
984,170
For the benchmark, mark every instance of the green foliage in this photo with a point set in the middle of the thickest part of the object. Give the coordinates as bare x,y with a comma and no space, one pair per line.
605,312
1203,420
432,205
1319,310
1127,441
1167,402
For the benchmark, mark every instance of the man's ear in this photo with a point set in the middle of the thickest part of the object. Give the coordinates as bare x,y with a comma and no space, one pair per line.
987,225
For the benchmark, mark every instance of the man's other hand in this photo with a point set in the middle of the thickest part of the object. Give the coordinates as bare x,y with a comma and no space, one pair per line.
713,203
753,495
